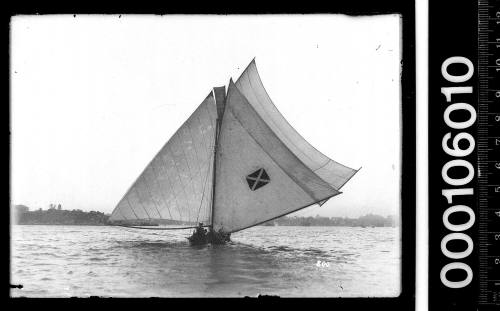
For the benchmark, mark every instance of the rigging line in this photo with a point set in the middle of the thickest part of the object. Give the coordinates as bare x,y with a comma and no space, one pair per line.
164,169
180,180
209,145
210,211
212,159
203,194
139,227
151,195
160,189
214,169
213,131
131,208
295,210
206,143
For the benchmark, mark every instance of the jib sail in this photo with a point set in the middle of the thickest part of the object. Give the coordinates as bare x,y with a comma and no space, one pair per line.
177,183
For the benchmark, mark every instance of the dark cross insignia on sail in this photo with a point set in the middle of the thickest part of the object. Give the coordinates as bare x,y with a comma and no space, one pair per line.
258,179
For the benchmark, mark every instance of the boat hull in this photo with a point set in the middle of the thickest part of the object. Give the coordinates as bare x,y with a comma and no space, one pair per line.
200,237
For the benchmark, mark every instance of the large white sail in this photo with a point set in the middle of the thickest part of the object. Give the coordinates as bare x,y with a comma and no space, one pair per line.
250,85
263,168
177,183
258,177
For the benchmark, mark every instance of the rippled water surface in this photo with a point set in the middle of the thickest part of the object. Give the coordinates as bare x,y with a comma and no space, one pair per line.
65,261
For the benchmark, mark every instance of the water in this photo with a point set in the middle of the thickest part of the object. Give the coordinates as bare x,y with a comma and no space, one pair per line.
66,261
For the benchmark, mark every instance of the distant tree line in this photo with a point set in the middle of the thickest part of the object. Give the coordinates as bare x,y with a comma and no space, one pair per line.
369,220
55,215
59,216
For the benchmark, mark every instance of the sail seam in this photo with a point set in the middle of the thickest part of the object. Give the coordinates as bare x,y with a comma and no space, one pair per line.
164,168
161,169
180,180
327,162
190,174
132,209
152,197
160,189
186,197
197,156
136,188
122,214
145,185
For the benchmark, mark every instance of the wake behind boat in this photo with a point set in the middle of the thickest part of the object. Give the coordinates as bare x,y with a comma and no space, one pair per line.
235,163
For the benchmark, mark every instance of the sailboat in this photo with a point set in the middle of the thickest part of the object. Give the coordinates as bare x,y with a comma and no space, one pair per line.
235,163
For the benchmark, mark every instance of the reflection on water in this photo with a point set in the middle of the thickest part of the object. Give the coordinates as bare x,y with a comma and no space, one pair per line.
64,261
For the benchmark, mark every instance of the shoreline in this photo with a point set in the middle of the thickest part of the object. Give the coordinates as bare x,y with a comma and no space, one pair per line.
41,224
109,225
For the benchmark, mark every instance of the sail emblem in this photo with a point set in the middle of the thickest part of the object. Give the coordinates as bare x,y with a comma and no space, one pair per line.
258,179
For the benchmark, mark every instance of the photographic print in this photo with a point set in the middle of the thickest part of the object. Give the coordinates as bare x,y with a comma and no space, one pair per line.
206,155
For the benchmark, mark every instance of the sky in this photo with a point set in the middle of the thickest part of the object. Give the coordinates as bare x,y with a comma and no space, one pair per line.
93,98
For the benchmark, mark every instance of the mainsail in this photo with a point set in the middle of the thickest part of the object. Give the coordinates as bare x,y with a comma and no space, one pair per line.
235,163
177,183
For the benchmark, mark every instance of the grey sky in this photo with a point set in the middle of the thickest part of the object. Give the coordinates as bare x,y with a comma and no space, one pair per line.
93,98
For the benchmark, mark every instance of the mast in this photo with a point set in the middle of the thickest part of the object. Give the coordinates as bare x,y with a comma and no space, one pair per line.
220,103
213,172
